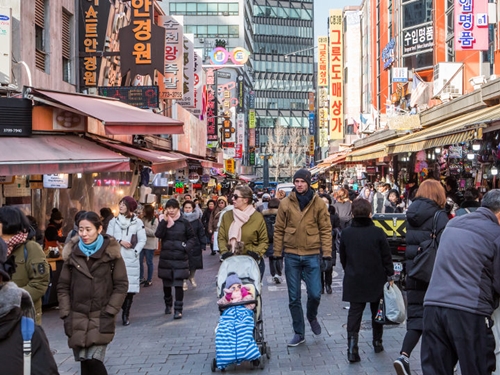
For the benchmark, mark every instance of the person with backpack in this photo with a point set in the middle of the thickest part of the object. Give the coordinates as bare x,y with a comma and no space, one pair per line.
32,269
270,219
92,287
17,327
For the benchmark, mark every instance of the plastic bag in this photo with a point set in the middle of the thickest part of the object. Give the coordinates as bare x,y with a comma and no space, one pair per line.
395,310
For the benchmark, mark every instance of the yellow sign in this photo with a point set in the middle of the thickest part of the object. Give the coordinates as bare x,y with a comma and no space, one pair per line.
251,118
311,145
229,164
322,61
336,71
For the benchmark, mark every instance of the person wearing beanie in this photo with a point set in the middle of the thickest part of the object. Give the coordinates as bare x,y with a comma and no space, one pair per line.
16,305
129,231
303,230
53,232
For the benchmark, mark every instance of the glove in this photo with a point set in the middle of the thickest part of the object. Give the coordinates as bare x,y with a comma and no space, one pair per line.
226,255
278,265
326,264
254,255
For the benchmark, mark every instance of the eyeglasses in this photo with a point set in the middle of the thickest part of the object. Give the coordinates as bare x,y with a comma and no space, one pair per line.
222,202
235,196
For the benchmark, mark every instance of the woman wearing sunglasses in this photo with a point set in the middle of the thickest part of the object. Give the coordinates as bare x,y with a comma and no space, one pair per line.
243,229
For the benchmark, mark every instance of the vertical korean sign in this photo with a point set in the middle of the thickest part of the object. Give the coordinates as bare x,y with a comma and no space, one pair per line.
189,74
173,72
323,90
322,61
471,25
336,68
211,109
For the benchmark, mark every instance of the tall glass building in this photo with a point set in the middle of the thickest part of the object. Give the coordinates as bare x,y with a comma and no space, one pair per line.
283,64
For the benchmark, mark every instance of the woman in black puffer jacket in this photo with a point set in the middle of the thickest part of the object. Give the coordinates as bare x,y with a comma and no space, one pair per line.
177,240
430,198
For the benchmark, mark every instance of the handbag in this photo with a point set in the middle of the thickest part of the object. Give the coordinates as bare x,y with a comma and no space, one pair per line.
391,308
423,263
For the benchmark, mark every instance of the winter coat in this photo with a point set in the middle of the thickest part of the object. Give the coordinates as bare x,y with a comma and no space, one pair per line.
302,232
253,234
176,242
379,200
467,207
363,196
150,227
366,259
205,218
214,220
465,275
196,252
418,229
122,228
32,273
91,291
343,209
270,219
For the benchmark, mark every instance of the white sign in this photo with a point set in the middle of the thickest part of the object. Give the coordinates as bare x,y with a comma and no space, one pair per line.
189,74
55,181
5,45
173,74
399,74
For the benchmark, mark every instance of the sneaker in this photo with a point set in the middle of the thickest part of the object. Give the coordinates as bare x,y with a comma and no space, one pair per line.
193,282
297,340
277,280
402,365
146,283
185,285
315,327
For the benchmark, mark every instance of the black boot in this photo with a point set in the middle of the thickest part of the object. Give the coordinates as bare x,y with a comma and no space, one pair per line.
178,309
352,347
126,309
377,346
168,305
377,332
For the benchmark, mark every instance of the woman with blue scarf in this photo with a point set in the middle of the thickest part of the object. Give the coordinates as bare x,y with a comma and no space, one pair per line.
91,290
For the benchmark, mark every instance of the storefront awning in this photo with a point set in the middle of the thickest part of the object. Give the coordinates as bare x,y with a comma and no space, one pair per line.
207,163
52,154
118,118
453,131
366,153
159,161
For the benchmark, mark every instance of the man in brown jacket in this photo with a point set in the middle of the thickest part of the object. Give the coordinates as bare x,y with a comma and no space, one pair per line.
303,231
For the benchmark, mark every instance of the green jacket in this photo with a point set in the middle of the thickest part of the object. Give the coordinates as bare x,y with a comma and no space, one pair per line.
253,233
32,273
302,232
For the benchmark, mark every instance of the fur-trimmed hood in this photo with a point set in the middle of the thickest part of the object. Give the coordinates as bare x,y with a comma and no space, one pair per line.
270,211
112,247
12,297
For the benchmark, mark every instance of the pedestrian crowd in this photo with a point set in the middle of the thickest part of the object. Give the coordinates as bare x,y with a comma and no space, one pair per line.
300,232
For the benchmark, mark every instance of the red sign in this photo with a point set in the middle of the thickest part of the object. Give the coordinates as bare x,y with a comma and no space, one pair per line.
238,152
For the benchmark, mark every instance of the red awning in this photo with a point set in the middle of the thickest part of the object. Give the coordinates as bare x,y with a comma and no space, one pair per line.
159,161
118,118
51,154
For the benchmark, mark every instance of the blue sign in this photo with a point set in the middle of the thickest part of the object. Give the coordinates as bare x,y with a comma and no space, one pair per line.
311,116
312,127
3,17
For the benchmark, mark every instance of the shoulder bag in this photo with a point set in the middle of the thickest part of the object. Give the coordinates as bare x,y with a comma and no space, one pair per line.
423,263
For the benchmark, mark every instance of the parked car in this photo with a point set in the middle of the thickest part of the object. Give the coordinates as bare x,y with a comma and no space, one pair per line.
286,187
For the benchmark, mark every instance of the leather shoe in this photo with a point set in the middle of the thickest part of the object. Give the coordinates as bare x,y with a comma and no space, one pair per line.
329,289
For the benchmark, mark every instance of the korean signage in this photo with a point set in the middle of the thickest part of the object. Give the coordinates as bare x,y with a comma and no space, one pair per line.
5,45
240,95
251,118
251,156
251,100
141,42
251,137
400,75
138,96
17,117
92,35
257,138
189,76
323,109
229,165
388,54
228,131
211,107
418,39
322,61
311,145
336,71
240,135
173,56
471,25
198,85
220,56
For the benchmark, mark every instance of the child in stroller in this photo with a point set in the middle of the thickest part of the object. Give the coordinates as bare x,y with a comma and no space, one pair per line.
239,334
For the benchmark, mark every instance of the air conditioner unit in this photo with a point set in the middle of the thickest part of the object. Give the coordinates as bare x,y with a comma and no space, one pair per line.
201,40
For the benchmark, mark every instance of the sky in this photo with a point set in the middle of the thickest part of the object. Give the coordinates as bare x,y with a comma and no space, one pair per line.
321,8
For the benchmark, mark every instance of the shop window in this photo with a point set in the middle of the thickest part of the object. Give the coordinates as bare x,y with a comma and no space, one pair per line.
66,45
40,50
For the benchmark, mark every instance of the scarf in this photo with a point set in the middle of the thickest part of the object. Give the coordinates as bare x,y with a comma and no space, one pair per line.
171,220
190,216
240,218
91,248
305,198
16,240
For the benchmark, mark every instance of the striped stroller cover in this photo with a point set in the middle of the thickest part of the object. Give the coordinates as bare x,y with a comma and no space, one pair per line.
234,341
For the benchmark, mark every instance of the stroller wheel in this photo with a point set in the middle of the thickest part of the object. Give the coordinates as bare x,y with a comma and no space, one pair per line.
256,362
214,365
268,352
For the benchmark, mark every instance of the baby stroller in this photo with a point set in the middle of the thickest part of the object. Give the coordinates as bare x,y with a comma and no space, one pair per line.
247,269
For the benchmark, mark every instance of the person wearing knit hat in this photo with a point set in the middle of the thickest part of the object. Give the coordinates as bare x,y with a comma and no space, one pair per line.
303,231
130,233
53,232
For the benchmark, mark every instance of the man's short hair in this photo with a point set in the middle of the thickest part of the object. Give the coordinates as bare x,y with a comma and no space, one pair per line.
491,200
361,208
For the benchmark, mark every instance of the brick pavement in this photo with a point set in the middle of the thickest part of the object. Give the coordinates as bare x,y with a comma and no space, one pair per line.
155,344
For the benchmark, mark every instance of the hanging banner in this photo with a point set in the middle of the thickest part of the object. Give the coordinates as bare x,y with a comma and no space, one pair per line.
199,82
471,25
240,108
211,107
251,137
336,71
189,75
322,61
229,165
171,86
311,145
240,135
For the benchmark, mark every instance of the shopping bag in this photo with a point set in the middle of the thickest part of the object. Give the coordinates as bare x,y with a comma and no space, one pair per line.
216,243
395,310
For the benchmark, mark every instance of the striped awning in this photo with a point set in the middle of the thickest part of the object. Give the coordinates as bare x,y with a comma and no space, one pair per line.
366,153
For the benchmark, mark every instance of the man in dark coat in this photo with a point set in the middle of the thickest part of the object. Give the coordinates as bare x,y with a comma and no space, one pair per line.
366,259
463,292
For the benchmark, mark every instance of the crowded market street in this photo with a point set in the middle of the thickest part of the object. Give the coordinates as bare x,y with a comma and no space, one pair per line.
156,344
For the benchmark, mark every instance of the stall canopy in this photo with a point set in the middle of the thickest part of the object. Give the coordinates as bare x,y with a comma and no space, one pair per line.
366,153
159,161
118,118
52,154
456,130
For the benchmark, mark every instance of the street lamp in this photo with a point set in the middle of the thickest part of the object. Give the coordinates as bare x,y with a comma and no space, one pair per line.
301,50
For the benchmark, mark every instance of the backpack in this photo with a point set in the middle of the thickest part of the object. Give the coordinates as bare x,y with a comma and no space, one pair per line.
27,330
270,221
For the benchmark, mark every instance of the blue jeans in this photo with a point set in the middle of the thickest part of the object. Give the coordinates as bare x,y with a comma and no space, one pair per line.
305,267
149,261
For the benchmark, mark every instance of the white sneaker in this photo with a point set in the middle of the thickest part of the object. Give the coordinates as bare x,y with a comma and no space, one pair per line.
185,285
193,282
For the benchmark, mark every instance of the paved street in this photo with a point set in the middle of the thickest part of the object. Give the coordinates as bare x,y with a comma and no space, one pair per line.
156,344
